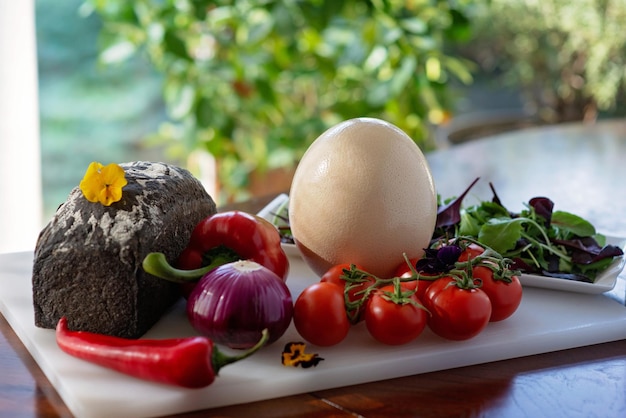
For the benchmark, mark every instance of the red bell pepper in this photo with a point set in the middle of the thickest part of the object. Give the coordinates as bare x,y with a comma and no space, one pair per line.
249,236
219,239
191,362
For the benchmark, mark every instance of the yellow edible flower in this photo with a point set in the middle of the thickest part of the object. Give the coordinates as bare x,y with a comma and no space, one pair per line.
103,183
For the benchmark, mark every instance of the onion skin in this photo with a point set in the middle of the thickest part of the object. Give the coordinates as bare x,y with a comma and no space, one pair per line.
235,302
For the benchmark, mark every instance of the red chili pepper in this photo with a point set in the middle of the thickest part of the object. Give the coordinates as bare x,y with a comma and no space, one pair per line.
191,362
219,239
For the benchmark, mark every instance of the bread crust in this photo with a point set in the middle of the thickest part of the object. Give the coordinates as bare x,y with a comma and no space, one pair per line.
87,263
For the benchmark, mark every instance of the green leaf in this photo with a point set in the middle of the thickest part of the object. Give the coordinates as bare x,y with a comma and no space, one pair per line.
204,113
403,75
565,266
414,25
460,69
260,24
200,8
391,36
266,91
501,234
379,93
494,209
486,210
469,225
377,57
460,29
567,222
181,101
594,268
175,45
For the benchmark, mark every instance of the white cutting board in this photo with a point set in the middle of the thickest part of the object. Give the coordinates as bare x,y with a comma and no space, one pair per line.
547,320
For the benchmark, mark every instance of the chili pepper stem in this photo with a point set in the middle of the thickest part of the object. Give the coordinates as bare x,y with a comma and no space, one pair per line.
156,264
220,359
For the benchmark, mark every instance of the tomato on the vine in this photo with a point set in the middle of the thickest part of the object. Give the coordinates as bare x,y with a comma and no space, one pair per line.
404,271
394,322
456,313
470,252
356,290
505,297
320,315
333,275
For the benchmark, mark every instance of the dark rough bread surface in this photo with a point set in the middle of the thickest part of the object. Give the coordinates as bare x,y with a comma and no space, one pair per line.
87,263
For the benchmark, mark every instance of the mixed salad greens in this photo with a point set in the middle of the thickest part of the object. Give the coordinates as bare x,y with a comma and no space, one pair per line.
538,239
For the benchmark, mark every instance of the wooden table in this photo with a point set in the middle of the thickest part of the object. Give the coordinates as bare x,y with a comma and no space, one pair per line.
582,169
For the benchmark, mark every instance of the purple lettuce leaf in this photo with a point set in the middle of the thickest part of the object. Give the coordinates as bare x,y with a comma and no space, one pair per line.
450,214
543,207
586,250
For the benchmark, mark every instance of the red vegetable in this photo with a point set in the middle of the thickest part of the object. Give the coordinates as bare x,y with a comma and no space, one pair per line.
320,314
505,294
457,313
249,236
405,271
234,303
394,315
191,362
219,239
470,252
355,289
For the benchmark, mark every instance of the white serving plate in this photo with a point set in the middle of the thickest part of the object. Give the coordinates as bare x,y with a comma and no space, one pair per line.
604,281
269,213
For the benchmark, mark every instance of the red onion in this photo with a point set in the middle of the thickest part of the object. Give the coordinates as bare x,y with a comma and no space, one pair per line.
235,302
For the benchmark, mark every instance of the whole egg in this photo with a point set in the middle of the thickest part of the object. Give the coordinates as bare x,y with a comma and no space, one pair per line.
363,193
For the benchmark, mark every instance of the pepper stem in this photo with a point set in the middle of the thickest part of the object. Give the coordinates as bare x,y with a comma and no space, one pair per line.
156,264
220,359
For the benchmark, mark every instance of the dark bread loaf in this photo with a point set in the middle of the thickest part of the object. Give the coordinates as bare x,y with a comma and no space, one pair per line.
87,263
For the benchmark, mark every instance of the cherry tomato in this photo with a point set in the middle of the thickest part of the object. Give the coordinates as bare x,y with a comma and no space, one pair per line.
392,323
505,297
421,285
456,313
403,270
333,275
470,252
320,315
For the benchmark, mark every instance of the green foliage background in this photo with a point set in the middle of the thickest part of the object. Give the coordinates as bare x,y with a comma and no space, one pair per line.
254,82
